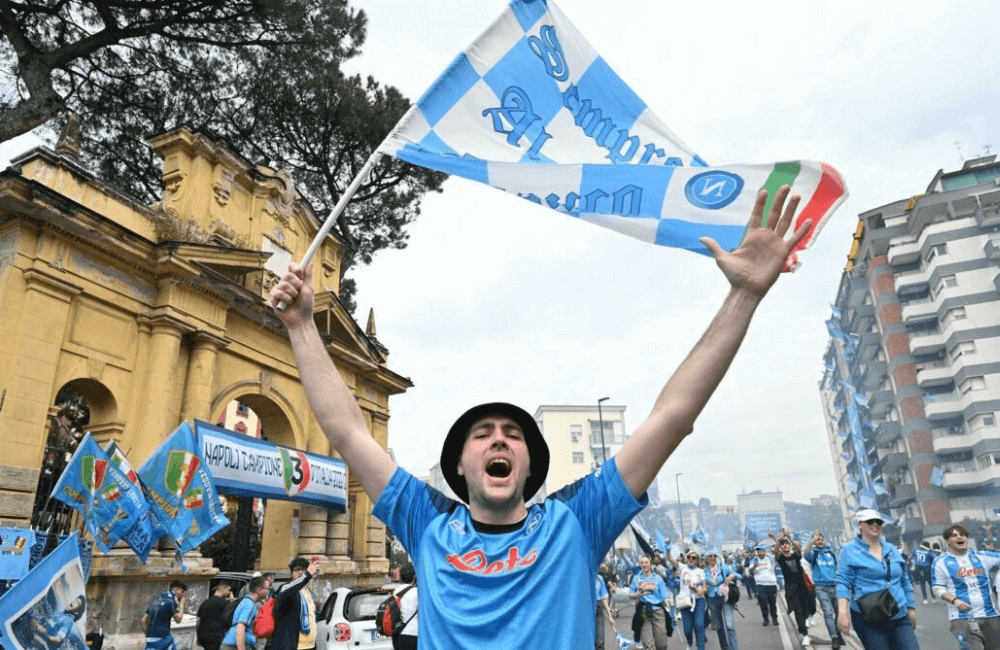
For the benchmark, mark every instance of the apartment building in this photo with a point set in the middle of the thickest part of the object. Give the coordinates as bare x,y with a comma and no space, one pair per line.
911,389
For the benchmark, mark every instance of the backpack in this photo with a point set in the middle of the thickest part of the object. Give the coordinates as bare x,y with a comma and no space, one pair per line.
263,625
389,618
733,596
229,611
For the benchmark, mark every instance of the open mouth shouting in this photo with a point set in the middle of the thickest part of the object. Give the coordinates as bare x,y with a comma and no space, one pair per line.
499,468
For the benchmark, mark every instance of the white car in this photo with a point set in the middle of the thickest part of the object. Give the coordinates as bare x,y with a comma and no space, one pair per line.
347,619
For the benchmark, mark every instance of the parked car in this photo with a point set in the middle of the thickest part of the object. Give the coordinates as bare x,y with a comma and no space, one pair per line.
347,619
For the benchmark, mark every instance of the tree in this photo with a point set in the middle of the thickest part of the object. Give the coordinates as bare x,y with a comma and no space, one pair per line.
262,75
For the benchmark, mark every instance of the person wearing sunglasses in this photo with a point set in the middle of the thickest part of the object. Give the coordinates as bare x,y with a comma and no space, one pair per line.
868,565
693,590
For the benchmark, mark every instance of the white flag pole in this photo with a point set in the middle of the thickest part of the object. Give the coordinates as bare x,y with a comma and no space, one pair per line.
335,213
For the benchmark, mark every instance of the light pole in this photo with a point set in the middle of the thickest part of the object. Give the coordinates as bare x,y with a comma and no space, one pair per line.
600,420
680,515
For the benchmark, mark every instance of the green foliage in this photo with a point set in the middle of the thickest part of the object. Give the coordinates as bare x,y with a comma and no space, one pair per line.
263,76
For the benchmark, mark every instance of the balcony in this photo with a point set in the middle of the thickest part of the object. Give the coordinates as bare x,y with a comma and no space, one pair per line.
879,403
968,477
903,250
861,318
937,373
992,248
902,495
926,342
893,461
888,432
869,340
874,374
918,310
957,438
912,282
988,214
944,406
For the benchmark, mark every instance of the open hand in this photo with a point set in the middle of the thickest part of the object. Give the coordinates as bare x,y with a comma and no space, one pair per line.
755,264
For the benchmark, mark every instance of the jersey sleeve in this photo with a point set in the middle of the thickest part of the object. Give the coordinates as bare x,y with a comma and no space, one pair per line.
407,506
603,505
244,612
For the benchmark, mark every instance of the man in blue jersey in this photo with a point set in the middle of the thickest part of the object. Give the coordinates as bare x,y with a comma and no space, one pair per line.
156,621
923,557
962,579
823,561
497,571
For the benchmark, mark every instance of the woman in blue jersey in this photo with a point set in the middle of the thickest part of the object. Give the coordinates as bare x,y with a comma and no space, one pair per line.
692,584
720,579
863,567
650,593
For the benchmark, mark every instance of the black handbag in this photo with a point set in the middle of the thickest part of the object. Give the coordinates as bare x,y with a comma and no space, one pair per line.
879,607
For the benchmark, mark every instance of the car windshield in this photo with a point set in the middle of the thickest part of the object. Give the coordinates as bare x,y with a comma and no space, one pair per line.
362,606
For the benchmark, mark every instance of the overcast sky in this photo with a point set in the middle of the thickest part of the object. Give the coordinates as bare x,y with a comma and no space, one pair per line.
499,299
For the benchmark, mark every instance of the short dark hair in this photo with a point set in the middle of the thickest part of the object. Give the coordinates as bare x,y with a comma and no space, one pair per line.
407,574
256,583
950,530
298,563
179,583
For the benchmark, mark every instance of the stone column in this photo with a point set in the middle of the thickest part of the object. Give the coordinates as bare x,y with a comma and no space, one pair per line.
337,529
158,419
26,400
200,376
312,531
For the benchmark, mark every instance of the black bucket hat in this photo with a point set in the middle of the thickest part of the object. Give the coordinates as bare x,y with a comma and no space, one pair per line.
451,452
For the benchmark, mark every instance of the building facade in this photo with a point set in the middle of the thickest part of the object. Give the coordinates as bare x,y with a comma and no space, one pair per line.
155,314
576,445
911,389
762,513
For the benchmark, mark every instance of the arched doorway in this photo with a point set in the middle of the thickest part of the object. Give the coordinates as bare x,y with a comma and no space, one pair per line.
263,417
80,406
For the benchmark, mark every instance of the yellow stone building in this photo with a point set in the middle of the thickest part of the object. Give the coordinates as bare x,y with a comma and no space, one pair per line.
156,314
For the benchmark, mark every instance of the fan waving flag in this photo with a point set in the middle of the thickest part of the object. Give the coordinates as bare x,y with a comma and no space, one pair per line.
530,108
182,490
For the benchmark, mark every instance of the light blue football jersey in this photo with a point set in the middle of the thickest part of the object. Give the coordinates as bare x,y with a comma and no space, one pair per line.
531,587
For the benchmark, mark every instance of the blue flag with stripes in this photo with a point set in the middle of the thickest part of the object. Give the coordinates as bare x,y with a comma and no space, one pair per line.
532,109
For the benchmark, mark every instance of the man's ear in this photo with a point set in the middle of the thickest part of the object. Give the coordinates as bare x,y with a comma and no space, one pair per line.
460,471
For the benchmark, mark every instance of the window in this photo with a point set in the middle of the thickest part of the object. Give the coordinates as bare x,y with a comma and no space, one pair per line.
958,313
242,409
595,432
946,282
971,384
934,251
578,458
963,348
240,428
575,431
982,420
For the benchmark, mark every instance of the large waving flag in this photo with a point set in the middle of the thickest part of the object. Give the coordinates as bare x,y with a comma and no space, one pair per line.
48,607
110,505
532,109
148,530
182,491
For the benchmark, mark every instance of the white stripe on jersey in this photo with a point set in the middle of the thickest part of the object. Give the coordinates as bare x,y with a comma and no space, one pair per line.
967,578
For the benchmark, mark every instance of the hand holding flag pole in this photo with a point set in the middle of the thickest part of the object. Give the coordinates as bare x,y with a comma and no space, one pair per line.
335,214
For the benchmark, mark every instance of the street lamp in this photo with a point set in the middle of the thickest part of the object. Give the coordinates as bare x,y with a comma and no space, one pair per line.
600,419
680,515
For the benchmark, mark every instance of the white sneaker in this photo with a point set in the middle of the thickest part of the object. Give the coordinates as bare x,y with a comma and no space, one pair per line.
810,621
806,640
925,601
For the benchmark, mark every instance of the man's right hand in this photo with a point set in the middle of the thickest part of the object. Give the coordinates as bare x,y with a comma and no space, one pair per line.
295,290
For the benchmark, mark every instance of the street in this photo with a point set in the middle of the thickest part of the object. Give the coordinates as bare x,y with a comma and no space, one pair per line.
932,628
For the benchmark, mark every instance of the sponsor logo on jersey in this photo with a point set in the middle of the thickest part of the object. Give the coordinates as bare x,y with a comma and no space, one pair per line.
475,561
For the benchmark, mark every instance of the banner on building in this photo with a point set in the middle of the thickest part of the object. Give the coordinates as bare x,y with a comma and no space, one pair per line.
251,467
48,607
763,523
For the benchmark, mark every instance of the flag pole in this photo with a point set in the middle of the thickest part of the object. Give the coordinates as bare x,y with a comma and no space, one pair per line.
335,213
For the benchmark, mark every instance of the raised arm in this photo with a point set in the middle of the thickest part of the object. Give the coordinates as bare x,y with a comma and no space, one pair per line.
751,270
331,400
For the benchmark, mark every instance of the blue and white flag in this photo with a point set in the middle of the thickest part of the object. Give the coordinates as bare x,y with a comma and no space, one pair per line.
937,477
146,532
109,503
47,609
530,108
181,490
624,643
661,541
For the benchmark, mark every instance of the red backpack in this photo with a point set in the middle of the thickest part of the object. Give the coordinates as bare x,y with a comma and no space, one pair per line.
263,625
389,618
